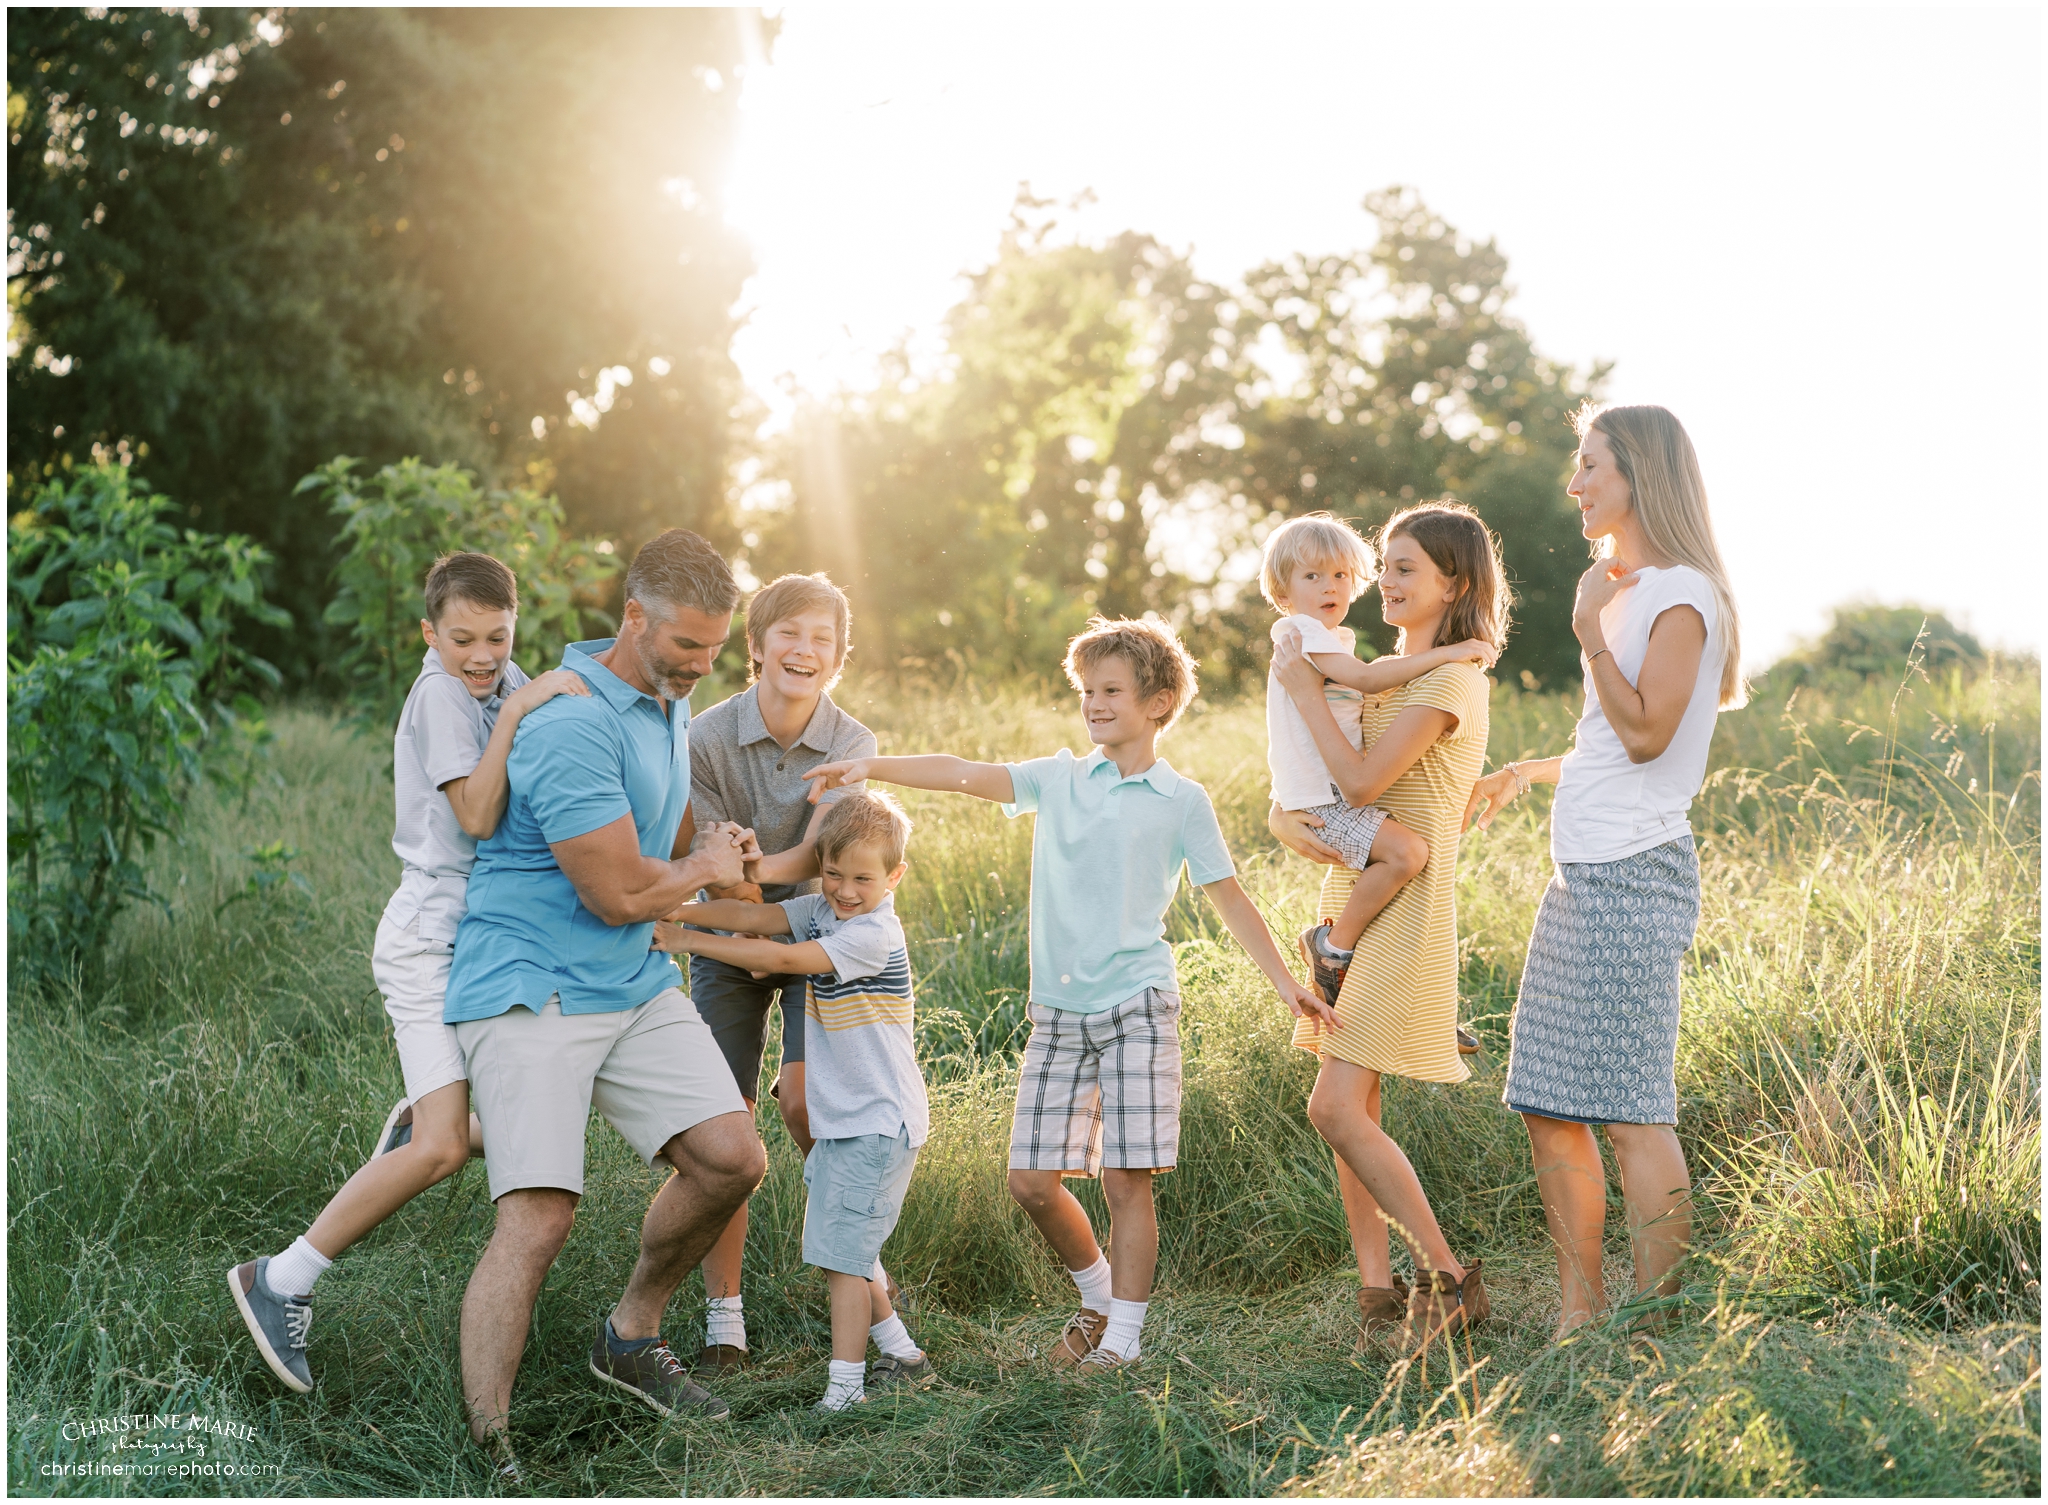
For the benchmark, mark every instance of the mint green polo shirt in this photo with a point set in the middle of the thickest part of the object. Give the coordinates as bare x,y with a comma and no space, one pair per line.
1106,857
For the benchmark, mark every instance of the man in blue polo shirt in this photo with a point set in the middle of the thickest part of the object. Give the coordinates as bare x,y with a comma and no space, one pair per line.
559,1003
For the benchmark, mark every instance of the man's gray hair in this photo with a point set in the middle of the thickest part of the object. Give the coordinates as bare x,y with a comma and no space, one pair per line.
676,569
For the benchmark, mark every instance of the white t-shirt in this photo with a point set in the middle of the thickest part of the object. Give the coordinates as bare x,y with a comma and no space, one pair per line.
1607,807
442,733
1301,780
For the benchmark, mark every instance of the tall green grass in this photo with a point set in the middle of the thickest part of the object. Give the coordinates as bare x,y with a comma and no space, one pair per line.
1859,1080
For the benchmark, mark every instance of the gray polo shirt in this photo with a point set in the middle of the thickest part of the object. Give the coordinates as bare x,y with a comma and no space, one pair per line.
442,733
739,772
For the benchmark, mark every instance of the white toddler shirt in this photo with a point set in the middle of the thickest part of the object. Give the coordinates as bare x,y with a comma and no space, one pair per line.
1608,808
1301,780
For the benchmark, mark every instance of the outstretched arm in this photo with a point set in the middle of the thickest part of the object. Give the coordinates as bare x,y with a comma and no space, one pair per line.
941,771
734,914
1506,784
748,951
1242,918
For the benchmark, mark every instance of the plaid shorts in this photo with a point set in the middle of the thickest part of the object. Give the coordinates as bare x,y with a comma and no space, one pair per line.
1350,829
1100,1089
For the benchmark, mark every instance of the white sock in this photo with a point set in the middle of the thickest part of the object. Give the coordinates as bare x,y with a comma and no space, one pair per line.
1329,948
1094,1284
293,1272
1126,1320
723,1322
895,1339
848,1384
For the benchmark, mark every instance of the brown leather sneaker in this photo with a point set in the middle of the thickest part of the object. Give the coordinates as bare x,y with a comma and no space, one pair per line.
1078,1338
719,1358
1439,1305
1381,1312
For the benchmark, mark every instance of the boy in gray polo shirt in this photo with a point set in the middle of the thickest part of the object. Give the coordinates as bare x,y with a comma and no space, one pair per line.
748,757
866,1096
1099,1089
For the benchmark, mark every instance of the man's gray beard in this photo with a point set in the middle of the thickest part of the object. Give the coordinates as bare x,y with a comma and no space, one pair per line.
667,684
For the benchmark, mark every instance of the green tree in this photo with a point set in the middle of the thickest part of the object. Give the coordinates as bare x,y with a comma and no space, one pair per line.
244,243
1108,432
1866,640
396,522
122,666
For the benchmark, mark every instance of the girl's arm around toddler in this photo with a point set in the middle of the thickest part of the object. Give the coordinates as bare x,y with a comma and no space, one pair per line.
1389,672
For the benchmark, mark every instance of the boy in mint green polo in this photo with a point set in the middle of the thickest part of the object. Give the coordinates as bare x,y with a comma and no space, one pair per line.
1100,1089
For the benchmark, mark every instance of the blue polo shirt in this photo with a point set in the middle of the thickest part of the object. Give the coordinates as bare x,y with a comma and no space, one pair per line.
1106,856
578,763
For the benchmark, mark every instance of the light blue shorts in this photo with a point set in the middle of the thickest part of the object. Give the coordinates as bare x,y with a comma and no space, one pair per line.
856,1191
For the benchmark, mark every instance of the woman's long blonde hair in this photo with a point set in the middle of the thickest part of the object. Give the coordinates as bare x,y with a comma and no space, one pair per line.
1656,458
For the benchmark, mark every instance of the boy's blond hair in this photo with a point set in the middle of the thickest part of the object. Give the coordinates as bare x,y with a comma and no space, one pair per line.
1151,649
866,818
1313,537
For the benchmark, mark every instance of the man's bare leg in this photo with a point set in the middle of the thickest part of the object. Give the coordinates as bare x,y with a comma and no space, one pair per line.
717,1164
497,1309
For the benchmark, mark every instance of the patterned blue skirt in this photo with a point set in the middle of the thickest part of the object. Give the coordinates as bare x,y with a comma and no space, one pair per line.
1595,1035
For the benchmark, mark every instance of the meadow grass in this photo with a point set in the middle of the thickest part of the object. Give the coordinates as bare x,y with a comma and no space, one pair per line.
1859,1083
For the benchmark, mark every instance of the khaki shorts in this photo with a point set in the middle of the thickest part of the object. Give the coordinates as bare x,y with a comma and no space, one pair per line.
412,974
1100,1089
653,1071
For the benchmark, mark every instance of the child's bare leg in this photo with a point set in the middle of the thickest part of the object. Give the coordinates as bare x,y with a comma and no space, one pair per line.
476,1137
439,1148
1057,1214
852,1301
1134,1232
1398,854
879,1310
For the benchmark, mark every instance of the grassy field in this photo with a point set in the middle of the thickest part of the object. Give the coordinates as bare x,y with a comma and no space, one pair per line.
1858,1068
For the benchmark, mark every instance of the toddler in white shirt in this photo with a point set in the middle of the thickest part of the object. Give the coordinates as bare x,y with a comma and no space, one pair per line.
1315,566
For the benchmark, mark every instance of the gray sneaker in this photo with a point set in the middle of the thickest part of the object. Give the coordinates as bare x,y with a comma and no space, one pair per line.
891,1373
279,1324
655,1375
397,1132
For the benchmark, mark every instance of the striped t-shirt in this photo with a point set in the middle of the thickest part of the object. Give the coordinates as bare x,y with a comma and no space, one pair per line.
860,1050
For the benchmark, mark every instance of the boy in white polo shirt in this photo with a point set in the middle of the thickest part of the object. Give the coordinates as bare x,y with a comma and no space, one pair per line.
448,774
1100,1087
862,1088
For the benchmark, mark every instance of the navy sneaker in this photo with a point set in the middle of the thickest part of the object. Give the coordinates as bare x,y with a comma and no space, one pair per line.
651,1371
397,1131
1327,972
279,1324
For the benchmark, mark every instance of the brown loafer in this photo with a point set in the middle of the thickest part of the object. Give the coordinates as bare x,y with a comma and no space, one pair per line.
1078,1338
1440,1306
1382,1310
718,1358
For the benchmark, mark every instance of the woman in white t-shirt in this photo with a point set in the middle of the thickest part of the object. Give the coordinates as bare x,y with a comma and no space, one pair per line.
1595,1034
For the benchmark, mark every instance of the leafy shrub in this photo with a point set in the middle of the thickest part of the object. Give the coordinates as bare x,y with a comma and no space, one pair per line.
120,661
396,523
1865,640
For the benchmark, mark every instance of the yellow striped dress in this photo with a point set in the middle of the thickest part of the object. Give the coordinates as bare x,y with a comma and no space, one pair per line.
1398,1010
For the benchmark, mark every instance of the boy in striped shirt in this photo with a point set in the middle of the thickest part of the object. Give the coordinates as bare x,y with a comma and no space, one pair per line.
865,1095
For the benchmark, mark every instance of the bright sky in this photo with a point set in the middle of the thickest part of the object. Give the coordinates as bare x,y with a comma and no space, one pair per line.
1813,233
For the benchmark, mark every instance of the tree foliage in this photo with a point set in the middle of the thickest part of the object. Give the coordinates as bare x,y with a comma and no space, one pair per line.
123,674
1108,432
398,521
242,244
